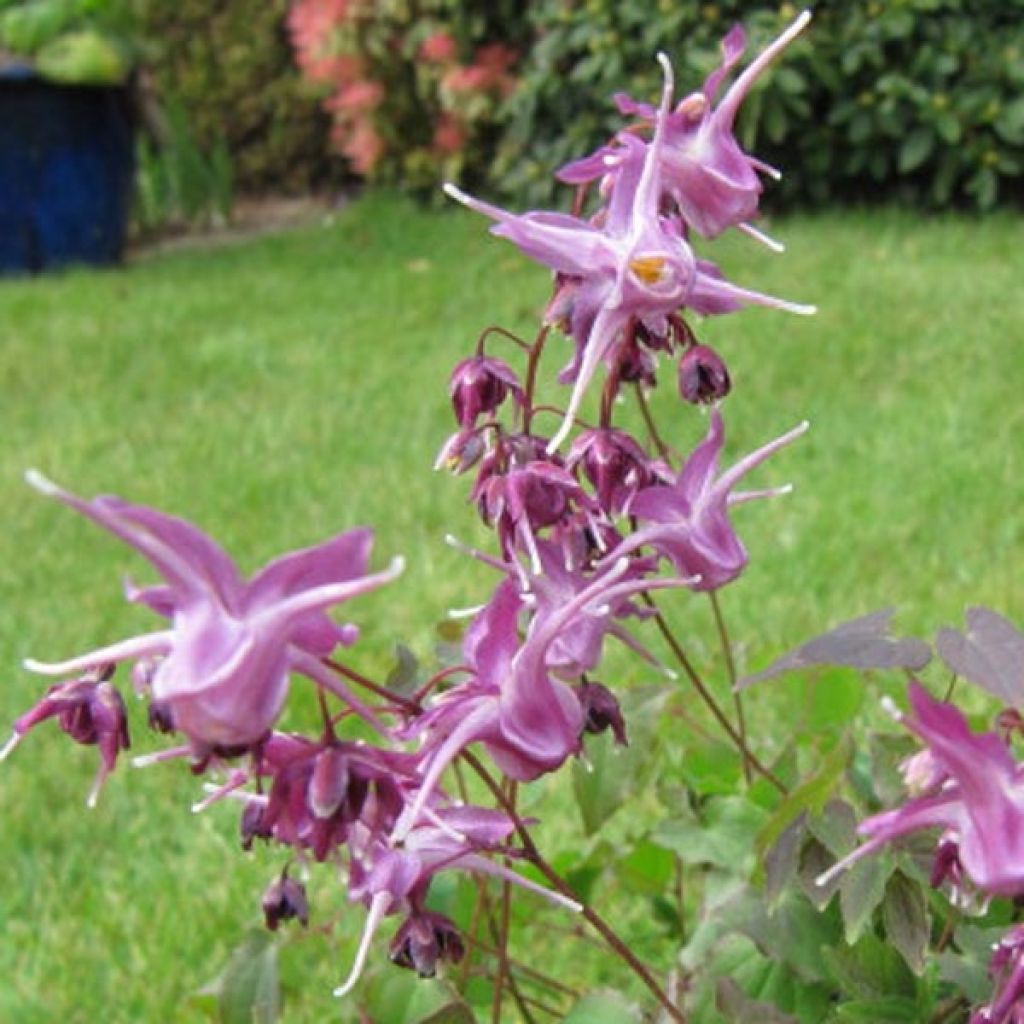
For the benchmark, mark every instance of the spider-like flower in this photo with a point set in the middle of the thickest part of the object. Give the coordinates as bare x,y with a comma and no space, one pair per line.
632,265
704,169
687,521
223,666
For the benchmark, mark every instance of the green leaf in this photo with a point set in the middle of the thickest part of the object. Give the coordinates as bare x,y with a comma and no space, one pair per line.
870,969
604,1007
83,58
860,892
612,773
887,1010
454,1013
916,148
810,795
782,859
404,675
1010,123
905,916
399,997
736,1006
720,836
248,990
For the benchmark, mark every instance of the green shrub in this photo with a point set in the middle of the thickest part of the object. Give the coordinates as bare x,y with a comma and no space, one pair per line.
413,90
917,99
230,67
77,42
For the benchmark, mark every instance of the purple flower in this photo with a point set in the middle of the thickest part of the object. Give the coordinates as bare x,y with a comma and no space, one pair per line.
704,169
479,385
614,463
977,796
423,939
226,658
632,265
1007,971
90,711
388,877
529,720
703,377
688,521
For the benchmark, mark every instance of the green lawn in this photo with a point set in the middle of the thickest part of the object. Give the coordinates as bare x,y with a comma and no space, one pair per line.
282,390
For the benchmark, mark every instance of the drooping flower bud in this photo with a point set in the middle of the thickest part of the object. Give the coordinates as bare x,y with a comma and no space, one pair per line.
251,827
615,465
283,900
601,711
462,451
479,385
703,377
90,711
161,716
424,939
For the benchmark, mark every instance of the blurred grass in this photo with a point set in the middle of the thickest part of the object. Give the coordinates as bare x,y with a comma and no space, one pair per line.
283,390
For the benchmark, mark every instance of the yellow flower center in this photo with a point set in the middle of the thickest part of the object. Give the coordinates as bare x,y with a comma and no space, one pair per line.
648,268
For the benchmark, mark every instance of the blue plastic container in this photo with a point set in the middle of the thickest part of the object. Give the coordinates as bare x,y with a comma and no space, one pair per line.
67,163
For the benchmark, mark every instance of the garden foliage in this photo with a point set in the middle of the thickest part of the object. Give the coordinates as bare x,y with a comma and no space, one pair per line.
229,68
78,42
917,100
413,90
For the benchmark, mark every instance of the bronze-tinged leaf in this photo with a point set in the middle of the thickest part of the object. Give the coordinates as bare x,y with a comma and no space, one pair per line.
989,654
862,643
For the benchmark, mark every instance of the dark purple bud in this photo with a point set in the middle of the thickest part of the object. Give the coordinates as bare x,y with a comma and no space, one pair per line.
946,865
251,826
460,452
479,385
659,339
636,364
283,900
615,465
703,377
601,711
423,940
161,717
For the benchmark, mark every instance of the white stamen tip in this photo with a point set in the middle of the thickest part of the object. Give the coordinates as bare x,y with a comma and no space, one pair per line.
43,484
10,745
40,667
889,707
397,566
826,876
459,196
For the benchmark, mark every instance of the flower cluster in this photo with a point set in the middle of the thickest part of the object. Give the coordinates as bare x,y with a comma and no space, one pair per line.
584,540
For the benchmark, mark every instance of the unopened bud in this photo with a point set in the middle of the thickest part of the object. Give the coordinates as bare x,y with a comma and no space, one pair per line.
703,377
479,385
601,711
423,940
283,900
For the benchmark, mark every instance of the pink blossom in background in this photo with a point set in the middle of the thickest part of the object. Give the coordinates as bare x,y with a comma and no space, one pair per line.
449,135
440,48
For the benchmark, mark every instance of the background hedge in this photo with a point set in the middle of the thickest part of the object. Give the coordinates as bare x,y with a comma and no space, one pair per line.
231,68
921,100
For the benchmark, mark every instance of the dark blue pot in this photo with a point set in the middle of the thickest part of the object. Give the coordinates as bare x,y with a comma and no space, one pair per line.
67,163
